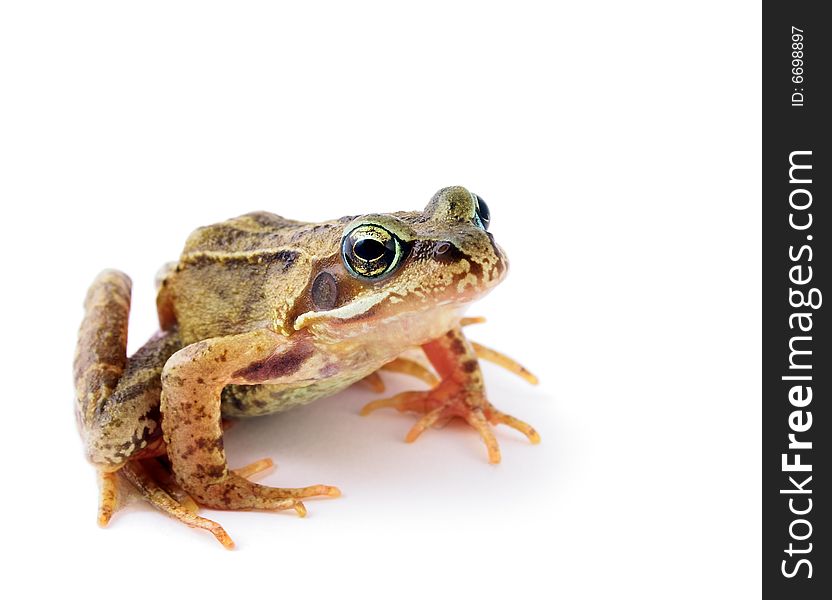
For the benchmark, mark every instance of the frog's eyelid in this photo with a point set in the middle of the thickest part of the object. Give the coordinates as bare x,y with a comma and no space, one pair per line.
390,223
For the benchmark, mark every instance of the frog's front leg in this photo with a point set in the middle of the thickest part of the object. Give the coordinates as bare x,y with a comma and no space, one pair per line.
192,382
460,393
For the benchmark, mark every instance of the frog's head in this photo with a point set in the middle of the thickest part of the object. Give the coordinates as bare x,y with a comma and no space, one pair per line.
410,270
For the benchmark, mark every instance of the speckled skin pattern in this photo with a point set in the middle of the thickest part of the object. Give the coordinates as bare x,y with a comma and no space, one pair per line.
262,313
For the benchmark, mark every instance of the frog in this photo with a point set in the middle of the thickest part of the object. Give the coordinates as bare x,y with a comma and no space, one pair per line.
261,314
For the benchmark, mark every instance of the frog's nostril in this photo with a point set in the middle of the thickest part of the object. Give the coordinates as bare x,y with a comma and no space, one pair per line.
442,248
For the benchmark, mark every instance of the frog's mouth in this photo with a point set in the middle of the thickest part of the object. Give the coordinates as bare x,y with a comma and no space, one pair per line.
388,317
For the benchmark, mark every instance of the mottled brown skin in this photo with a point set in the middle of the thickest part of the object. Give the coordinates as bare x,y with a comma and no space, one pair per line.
262,313
117,400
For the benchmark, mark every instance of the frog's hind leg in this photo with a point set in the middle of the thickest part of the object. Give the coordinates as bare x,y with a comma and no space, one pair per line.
117,400
101,352
100,360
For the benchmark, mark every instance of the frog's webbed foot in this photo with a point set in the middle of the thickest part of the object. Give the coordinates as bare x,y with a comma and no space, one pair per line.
459,394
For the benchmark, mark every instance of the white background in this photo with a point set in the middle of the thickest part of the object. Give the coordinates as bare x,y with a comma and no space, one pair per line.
618,145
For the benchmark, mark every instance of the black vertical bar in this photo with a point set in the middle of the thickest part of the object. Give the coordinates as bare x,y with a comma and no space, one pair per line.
797,225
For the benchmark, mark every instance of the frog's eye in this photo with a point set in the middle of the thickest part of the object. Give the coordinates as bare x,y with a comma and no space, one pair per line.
483,215
371,252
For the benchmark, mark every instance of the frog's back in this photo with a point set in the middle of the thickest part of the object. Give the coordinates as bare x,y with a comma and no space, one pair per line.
246,233
244,273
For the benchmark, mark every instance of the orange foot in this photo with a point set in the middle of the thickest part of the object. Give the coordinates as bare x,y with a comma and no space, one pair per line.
460,394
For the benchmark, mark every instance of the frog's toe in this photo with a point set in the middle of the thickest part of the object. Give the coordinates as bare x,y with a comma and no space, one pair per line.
498,358
160,472
466,321
152,474
402,365
136,473
258,466
412,368
501,360
437,408
157,484
310,491
406,401
234,492
264,464
107,497
496,417
447,401
473,416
